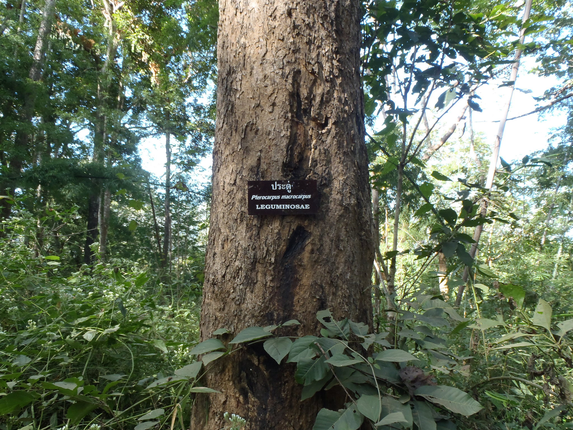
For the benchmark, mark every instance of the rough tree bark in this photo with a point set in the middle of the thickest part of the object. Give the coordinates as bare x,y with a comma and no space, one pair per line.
289,107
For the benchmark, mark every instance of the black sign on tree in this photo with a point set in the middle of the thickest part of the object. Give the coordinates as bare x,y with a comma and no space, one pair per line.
283,197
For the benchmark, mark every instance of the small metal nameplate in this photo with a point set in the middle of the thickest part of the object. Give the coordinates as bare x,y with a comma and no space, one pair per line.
283,198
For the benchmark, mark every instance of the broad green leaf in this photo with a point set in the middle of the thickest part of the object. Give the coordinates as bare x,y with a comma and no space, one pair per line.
425,208
136,204
439,176
395,356
290,322
66,385
350,419
152,414
278,347
212,356
207,346
221,331
450,398
427,189
370,406
342,360
393,418
132,225
190,371
167,380
564,327
89,335
21,360
515,292
423,417
449,248
391,405
249,334
15,401
310,390
302,348
159,344
485,323
549,415
203,390
112,377
542,315
52,257
390,166
308,370
146,425
449,215
141,280
326,419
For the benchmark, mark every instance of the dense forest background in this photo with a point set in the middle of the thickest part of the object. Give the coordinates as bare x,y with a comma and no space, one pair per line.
101,262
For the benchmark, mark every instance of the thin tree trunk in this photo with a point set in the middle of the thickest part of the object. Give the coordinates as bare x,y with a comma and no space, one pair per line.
289,107
155,225
104,224
496,146
167,229
100,126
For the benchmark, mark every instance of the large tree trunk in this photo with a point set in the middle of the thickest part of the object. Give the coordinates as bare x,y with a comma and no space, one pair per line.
289,106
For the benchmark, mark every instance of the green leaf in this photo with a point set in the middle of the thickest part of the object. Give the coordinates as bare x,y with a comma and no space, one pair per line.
146,425
132,225
542,315
463,255
395,356
390,166
485,323
203,390
449,248
190,371
342,360
135,204
564,327
212,356
310,390
207,346
423,209
449,215
326,419
21,360
15,401
221,331
249,334
309,370
278,348
152,414
159,344
427,189
423,417
370,406
439,176
515,292
167,380
549,415
302,348
289,323
52,257
350,419
393,418
450,398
